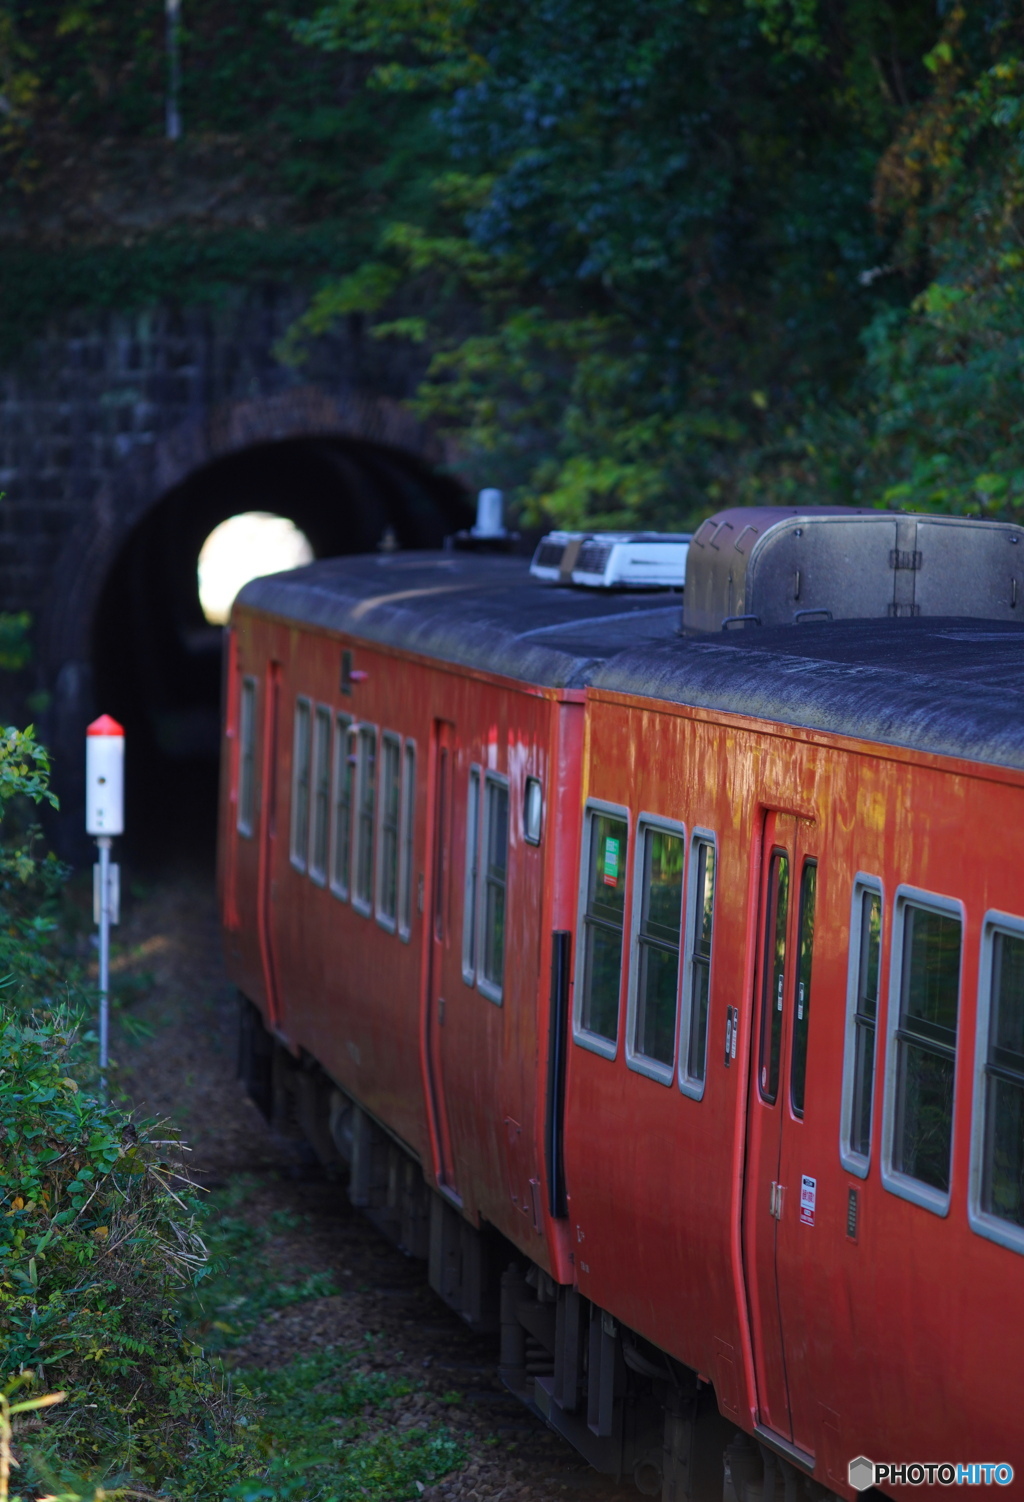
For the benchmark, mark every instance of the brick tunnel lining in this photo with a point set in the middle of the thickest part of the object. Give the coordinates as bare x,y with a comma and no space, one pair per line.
155,661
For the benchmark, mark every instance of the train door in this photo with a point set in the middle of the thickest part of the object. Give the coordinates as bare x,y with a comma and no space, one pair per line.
771,1203
438,943
268,841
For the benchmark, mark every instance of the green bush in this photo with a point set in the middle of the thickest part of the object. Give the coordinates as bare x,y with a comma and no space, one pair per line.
108,1294
98,1234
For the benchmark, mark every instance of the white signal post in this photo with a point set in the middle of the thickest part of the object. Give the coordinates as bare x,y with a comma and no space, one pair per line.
104,818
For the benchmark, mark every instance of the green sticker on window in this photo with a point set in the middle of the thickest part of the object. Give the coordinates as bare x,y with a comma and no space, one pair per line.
611,862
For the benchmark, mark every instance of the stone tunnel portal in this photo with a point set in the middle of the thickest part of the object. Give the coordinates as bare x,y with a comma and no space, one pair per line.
156,661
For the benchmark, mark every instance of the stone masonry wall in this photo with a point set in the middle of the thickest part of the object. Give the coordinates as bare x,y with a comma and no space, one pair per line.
90,398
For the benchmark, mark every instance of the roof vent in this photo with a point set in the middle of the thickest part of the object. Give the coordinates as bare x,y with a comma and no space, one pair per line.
770,566
488,533
490,514
613,560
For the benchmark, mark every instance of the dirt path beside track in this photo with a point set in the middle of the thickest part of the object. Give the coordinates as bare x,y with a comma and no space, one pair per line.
175,1050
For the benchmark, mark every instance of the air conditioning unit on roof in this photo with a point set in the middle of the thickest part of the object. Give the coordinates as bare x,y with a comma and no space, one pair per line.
613,560
550,553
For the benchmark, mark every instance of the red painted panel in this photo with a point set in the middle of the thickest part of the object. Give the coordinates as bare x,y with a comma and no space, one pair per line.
903,1341
364,1003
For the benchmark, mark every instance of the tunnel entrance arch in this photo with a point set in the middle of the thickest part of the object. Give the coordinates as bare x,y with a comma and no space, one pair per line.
126,632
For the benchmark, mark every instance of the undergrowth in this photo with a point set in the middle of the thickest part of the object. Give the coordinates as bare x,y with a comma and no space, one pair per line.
122,1294
322,1424
333,1440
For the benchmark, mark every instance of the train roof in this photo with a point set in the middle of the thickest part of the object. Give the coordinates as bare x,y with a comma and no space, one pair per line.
950,686
476,610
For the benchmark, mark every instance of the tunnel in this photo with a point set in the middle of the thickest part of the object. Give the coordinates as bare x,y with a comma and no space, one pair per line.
156,660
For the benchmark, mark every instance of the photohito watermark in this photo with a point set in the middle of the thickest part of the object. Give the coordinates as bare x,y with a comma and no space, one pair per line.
863,1473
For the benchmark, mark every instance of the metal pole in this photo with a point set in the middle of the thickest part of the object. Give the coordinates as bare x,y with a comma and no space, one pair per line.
173,69
104,842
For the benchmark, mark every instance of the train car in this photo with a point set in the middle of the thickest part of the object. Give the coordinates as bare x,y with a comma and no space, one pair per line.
778,1146
398,844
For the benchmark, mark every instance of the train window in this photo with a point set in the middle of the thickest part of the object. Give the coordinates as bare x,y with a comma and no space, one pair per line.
469,905
802,1017
654,960
603,906
997,1158
533,811
861,1024
774,973
321,795
388,829
300,785
366,797
408,832
921,1064
697,981
341,822
247,757
495,880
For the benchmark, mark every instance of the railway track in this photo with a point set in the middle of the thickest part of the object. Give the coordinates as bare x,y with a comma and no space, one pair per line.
174,1046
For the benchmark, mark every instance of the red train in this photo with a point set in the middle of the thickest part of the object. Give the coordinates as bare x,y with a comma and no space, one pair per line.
662,980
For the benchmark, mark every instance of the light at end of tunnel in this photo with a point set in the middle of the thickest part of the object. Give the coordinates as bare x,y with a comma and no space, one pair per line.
242,548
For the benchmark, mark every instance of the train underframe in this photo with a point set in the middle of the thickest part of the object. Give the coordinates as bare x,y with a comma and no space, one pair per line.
630,1409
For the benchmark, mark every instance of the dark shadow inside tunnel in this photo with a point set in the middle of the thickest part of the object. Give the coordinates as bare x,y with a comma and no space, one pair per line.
156,659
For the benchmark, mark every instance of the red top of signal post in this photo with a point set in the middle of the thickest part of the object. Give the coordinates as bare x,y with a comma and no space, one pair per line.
105,725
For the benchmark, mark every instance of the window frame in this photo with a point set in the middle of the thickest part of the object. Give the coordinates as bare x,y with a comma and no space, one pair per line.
406,838
893,1179
581,1035
245,814
487,987
321,712
298,840
689,1084
388,923
642,1063
471,873
364,905
992,1227
344,733
853,1161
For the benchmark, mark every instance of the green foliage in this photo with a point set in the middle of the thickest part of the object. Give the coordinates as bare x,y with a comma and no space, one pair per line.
330,1429
239,1285
15,647
945,373
661,257
793,276
98,1233
199,270
320,1427
34,966
111,1305
644,297
24,767
35,962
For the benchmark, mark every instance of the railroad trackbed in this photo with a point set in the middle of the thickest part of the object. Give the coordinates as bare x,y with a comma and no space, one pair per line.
312,1277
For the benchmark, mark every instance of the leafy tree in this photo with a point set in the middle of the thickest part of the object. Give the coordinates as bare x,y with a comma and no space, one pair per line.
945,372
648,261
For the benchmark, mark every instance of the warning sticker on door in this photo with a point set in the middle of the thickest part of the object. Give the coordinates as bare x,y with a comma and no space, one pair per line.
808,1199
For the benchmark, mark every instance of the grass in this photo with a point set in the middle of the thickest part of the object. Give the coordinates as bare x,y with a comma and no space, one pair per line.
321,1428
